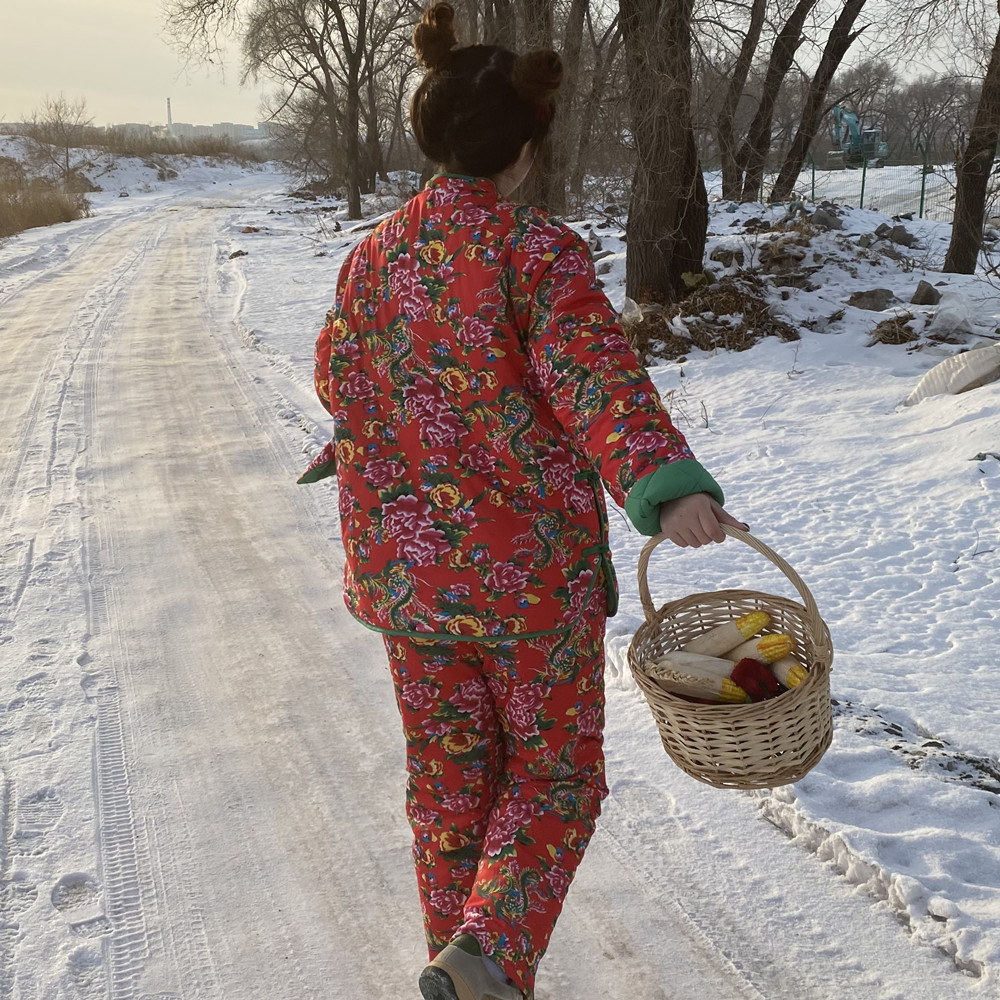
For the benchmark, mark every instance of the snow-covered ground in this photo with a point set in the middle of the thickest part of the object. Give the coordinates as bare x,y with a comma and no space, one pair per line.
887,882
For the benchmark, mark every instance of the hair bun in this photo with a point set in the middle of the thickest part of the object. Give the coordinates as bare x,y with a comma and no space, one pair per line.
537,75
434,37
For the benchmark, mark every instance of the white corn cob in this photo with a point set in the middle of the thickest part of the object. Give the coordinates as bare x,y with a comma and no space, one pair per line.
699,676
695,664
767,649
711,688
789,672
716,641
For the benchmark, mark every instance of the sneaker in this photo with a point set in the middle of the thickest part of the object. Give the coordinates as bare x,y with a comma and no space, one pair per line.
460,973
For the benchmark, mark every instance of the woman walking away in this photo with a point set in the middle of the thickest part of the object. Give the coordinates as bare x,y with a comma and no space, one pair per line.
483,398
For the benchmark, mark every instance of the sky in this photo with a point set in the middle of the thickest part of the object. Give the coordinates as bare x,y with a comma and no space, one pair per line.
113,54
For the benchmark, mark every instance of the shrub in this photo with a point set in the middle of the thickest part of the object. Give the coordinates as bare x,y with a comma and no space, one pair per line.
37,205
124,142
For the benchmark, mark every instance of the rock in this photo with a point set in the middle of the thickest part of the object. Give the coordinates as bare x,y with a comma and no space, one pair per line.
780,256
883,231
826,220
237,253
866,240
875,300
727,256
926,295
902,236
796,279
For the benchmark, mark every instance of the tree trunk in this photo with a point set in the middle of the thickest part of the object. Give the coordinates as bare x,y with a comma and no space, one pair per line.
352,144
753,152
535,20
603,62
332,130
974,173
668,212
567,122
724,124
500,23
841,38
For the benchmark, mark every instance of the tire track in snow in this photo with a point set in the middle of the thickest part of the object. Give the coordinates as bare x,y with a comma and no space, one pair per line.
44,509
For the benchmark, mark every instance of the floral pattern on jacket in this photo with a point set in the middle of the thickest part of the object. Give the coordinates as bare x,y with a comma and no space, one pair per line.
483,396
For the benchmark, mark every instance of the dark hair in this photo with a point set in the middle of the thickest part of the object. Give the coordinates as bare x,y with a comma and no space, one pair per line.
479,104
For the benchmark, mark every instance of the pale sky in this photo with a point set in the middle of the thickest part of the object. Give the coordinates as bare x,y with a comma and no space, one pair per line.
112,53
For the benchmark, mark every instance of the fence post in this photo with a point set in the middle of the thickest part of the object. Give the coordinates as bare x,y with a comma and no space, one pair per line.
923,178
864,177
812,167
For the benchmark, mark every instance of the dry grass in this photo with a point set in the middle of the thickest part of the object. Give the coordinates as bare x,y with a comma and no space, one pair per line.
121,142
38,205
894,331
731,314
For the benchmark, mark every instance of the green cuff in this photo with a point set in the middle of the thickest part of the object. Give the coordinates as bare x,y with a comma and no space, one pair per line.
668,482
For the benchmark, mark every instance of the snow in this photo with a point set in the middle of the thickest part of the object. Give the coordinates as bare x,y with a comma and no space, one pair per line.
883,880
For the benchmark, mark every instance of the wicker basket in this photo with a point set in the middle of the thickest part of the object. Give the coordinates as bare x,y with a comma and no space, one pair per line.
760,745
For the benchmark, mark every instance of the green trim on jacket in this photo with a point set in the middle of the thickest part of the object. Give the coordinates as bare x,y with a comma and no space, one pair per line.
668,482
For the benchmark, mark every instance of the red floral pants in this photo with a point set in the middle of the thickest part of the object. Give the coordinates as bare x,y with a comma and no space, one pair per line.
505,777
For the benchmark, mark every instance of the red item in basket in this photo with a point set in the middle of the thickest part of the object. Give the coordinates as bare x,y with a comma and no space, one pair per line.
756,679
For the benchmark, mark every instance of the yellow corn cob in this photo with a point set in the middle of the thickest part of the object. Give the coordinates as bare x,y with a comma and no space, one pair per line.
789,672
768,648
716,641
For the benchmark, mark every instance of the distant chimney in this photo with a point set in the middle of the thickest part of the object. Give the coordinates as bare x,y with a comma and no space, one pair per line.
170,120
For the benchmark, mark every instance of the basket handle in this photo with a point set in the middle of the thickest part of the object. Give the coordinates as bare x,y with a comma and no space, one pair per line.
808,600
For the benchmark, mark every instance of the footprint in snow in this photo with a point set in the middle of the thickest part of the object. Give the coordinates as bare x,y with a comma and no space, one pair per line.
921,750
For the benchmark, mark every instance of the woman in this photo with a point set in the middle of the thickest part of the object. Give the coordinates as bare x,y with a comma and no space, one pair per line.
483,397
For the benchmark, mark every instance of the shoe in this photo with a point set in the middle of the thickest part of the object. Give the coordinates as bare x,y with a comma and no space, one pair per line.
460,973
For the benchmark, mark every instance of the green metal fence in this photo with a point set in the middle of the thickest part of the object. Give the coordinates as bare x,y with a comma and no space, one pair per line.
923,189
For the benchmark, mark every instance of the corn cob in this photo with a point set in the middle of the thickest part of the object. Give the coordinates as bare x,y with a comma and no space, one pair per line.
699,676
695,664
789,672
716,641
712,688
768,648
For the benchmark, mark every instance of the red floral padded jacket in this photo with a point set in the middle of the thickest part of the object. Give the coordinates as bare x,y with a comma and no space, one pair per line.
483,396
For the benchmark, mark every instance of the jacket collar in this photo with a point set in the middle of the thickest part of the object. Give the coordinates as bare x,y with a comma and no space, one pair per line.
464,184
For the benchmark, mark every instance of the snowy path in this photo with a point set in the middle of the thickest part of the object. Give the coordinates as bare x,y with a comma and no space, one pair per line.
200,768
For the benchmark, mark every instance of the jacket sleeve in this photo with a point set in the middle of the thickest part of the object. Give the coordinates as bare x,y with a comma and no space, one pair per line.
324,342
324,464
597,388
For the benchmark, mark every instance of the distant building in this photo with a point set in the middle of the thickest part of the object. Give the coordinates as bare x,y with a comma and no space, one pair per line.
220,130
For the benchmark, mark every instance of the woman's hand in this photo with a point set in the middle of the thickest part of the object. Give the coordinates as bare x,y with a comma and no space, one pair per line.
695,520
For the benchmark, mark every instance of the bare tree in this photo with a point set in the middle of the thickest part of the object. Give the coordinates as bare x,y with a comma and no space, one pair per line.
725,129
839,41
973,174
753,153
336,51
668,212
605,45
57,128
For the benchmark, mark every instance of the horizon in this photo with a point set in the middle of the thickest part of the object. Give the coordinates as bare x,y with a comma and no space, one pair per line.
113,55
